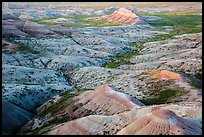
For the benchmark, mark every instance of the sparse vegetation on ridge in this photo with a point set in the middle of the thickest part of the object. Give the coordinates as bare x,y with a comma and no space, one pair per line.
81,18
43,129
65,101
163,96
24,48
66,97
121,59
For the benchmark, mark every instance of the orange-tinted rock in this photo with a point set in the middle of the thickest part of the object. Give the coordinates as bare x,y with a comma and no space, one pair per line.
164,75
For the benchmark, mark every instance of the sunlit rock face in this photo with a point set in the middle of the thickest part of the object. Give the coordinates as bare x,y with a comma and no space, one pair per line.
122,16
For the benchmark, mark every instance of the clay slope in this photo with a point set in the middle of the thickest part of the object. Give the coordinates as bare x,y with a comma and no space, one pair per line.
104,100
161,122
145,121
107,100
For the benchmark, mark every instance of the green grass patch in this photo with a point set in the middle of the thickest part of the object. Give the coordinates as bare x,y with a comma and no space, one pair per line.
138,44
182,12
74,16
182,24
164,96
195,80
81,24
25,48
121,59
41,130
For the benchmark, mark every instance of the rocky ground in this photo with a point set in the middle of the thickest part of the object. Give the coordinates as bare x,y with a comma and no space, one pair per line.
56,78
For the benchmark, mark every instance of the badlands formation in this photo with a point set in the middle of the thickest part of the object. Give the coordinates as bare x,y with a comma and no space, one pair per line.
121,16
56,79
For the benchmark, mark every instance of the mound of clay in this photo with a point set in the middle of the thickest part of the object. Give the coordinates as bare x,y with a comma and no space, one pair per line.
160,122
144,121
122,16
104,100
107,100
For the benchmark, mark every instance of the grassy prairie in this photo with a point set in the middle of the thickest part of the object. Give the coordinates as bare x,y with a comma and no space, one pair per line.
181,24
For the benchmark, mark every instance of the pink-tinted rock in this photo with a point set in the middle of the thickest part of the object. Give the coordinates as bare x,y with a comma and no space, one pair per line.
122,16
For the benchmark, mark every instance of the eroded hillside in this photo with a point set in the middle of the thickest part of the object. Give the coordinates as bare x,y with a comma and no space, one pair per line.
124,69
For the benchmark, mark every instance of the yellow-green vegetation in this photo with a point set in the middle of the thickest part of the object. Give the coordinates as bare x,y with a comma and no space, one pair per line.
74,16
121,59
162,96
161,93
181,24
66,98
43,129
80,23
169,12
182,12
25,48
